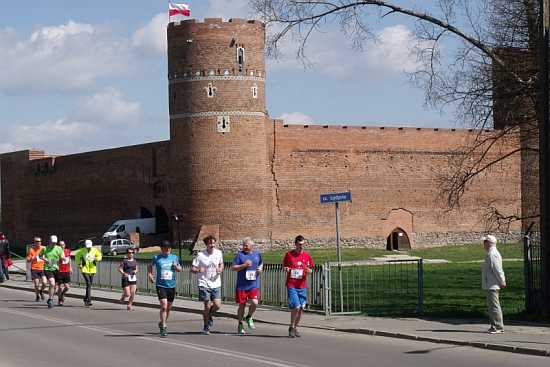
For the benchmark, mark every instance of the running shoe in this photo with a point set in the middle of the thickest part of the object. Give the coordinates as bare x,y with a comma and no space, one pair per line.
240,329
206,330
291,332
495,331
130,308
297,333
50,303
163,332
250,322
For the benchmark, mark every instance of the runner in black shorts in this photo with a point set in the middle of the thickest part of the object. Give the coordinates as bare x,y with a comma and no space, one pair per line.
166,265
63,280
168,294
128,268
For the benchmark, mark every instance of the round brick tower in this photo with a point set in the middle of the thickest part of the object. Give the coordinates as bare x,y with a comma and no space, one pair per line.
218,127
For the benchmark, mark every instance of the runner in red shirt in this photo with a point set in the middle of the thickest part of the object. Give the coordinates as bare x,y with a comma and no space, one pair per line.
297,264
64,274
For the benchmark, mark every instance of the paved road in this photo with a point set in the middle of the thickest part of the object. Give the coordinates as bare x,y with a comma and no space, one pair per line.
32,335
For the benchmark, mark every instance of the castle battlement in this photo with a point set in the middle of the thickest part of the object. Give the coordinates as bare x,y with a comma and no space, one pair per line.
211,21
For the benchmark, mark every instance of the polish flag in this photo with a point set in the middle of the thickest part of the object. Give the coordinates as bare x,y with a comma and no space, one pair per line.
175,9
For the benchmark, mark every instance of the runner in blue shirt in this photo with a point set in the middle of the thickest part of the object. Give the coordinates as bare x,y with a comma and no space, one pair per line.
166,265
248,263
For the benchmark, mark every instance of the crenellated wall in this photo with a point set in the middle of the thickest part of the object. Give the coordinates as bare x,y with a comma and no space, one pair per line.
393,176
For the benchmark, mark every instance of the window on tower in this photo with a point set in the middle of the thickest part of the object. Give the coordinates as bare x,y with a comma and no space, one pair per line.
254,91
240,57
211,90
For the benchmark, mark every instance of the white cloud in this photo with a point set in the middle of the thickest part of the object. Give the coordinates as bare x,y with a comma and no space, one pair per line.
108,108
332,54
151,38
60,58
102,120
295,118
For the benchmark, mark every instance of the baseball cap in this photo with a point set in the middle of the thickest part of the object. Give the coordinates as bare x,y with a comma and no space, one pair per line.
53,239
166,244
88,243
490,238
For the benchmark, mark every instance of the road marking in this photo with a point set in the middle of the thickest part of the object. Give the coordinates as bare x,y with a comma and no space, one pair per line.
197,347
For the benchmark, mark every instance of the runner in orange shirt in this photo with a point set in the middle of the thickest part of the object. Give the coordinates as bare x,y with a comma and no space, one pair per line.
37,269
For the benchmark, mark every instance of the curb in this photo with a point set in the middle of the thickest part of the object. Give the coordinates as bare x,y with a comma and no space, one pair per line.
387,334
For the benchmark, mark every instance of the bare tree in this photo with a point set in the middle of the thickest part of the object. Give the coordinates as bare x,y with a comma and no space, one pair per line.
489,81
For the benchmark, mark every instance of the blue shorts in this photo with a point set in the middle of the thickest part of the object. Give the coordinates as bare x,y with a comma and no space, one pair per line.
297,297
208,294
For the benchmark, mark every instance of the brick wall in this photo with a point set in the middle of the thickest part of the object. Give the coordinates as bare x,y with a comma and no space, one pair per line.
392,174
78,196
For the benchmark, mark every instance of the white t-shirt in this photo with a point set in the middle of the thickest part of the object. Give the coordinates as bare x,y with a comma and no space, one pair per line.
211,278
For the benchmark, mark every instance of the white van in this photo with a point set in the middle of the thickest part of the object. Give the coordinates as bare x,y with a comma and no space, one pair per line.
123,227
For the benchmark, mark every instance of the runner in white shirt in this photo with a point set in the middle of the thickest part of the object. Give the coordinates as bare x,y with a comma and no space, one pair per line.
209,265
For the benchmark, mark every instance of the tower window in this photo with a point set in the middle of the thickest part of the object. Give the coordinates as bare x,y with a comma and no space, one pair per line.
223,124
240,57
211,90
254,91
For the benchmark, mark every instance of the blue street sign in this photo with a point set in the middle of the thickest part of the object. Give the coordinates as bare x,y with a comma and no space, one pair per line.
335,197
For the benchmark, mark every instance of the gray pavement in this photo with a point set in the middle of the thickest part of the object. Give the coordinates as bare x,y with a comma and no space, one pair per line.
523,338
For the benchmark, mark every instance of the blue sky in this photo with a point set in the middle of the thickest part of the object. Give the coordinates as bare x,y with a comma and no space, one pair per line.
86,75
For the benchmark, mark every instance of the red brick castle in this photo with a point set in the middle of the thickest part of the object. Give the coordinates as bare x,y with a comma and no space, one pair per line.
229,165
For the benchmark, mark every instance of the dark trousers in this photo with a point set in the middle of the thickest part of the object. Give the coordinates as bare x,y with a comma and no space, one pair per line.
2,274
89,278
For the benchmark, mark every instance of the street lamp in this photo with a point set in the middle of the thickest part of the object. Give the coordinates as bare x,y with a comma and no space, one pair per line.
177,218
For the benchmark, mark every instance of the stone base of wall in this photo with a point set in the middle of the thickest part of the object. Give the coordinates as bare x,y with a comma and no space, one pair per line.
419,240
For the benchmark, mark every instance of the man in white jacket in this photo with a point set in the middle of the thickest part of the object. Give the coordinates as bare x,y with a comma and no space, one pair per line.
492,280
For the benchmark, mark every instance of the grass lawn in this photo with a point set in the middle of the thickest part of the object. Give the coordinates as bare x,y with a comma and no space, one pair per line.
451,290
454,290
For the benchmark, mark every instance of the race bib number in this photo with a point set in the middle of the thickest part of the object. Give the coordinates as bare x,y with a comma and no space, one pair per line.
166,275
66,260
296,273
90,257
133,278
251,275
211,274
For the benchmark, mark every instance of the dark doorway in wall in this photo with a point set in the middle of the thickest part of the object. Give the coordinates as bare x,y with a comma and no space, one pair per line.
162,220
145,213
398,240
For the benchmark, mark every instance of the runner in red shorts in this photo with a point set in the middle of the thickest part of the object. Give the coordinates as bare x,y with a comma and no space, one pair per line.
248,263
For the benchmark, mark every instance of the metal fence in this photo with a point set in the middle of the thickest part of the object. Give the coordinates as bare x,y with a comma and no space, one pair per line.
532,258
272,282
374,287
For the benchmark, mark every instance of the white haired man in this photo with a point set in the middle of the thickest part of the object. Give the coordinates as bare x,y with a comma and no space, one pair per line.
492,280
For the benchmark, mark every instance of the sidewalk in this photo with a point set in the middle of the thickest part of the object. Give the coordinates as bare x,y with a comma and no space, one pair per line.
524,338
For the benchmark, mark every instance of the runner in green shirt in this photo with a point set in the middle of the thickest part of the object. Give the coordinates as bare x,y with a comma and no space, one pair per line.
51,255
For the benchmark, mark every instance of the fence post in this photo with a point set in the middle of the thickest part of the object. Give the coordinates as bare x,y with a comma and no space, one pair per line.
527,272
420,306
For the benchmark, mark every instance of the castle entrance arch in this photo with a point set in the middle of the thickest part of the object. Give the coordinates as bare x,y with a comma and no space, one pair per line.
162,220
398,239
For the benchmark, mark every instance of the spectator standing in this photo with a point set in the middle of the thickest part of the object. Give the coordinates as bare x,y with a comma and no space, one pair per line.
492,280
